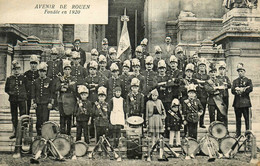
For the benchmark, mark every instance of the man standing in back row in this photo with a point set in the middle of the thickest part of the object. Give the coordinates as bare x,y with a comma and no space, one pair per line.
241,88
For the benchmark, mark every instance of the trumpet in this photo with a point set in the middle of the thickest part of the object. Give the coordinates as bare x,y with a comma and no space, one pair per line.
231,153
55,152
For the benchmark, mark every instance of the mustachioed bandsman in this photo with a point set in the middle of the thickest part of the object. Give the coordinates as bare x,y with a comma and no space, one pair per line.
125,78
149,75
31,75
54,71
241,88
137,74
102,63
113,58
113,81
139,55
144,44
226,81
66,87
15,88
201,76
192,110
182,58
165,95
82,53
101,113
187,80
78,71
105,48
215,102
135,100
157,57
175,77
42,96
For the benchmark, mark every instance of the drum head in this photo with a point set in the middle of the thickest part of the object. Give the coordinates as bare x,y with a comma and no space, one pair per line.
135,120
191,147
204,146
35,146
218,130
50,130
81,148
226,144
63,145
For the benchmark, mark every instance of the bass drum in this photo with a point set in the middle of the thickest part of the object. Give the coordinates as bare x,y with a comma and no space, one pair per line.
63,144
50,130
227,143
81,148
190,146
204,146
218,130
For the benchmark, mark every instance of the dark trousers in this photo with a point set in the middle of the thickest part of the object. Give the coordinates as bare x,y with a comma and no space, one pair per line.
226,102
82,125
14,111
29,103
192,129
65,121
220,116
167,106
42,115
116,133
203,103
100,131
239,112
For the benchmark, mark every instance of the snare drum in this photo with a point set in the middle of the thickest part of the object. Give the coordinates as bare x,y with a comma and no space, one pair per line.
227,143
81,148
204,146
63,144
50,130
218,130
190,146
134,128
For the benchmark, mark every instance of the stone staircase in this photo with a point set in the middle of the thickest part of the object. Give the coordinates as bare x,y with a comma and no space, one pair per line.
6,145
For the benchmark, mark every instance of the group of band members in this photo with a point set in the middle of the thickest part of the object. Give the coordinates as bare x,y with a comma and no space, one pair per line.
168,91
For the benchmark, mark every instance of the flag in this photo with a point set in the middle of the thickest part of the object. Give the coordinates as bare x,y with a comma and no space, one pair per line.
124,46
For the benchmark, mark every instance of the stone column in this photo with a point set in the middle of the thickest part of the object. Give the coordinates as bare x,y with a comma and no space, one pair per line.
6,51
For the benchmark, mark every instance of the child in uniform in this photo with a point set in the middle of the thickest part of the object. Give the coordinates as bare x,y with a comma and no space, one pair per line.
83,114
174,122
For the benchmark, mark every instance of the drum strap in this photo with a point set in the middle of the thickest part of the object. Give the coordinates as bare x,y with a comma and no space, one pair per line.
174,114
191,107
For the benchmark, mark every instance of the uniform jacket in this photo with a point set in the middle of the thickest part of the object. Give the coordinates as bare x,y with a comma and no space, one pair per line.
174,120
135,104
15,87
54,67
150,80
106,73
225,79
125,80
174,83
209,86
79,73
31,76
242,100
93,83
184,83
82,55
195,104
85,111
101,116
65,81
164,92
201,93
42,91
